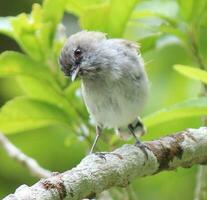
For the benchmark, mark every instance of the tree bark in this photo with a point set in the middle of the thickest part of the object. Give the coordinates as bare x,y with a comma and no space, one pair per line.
101,171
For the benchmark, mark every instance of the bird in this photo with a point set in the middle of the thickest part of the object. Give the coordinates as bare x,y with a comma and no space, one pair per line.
114,82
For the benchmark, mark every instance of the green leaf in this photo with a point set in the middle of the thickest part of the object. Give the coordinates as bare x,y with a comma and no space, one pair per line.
95,18
103,17
35,32
122,12
26,33
203,21
192,10
23,113
72,93
53,11
149,42
77,7
149,13
189,108
199,10
192,72
42,90
44,29
186,8
175,31
155,18
13,64
168,9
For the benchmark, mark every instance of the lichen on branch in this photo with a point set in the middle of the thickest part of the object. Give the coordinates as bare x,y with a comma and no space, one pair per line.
97,173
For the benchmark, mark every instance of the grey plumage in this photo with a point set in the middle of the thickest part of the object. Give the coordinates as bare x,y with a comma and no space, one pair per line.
114,81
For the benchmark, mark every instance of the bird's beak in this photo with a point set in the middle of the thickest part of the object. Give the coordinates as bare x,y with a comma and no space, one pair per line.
74,72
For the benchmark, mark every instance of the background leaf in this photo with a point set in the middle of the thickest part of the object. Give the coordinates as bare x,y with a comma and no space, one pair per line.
193,10
106,15
192,72
186,9
122,12
189,108
13,63
74,96
23,113
51,17
42,90
96,21
149,42
77,7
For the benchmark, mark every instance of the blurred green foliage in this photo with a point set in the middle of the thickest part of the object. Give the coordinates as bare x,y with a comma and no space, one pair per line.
45,115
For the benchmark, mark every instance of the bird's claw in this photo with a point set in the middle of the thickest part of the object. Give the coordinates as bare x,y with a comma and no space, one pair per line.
142,148
101,155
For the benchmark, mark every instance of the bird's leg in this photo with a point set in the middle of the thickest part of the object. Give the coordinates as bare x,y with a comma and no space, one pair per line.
138,142
98,133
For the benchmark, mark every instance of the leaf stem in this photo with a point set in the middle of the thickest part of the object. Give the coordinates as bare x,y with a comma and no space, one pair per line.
195,49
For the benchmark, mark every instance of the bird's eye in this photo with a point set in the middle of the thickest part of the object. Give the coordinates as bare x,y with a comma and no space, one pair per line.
77,53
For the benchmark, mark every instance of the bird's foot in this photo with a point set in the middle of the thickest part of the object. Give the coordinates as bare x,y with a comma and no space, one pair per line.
101,155
142,148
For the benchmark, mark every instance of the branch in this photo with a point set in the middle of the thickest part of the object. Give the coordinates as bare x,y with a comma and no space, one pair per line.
96,173
23,159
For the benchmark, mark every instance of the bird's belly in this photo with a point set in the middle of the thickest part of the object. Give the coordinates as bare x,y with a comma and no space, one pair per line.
112,109
114,116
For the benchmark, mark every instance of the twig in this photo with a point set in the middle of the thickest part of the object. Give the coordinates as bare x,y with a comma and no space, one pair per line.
195,49
201,188
23,159
96,173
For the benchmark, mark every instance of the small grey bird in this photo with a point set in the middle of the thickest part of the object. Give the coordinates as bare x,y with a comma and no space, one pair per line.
114,82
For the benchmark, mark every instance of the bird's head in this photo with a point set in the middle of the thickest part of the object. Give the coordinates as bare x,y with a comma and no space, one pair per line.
80,54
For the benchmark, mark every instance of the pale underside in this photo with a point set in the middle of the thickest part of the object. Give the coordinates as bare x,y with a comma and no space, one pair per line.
115,104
